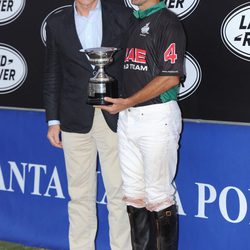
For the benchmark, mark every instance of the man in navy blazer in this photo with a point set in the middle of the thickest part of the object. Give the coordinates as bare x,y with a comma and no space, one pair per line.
85,130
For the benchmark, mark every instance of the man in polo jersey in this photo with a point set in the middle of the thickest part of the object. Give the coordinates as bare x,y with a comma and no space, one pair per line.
149,124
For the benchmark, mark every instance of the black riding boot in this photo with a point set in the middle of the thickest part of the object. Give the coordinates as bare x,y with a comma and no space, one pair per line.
142,233
167,228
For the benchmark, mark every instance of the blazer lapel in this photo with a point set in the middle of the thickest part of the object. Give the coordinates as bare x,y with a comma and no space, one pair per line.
107,24
73,40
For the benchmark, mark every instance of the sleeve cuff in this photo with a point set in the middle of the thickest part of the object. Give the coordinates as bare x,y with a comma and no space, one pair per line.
53,122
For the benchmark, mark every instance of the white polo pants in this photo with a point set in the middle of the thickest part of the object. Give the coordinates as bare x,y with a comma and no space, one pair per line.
148,145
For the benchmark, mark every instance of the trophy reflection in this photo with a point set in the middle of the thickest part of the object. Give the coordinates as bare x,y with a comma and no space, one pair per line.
101,84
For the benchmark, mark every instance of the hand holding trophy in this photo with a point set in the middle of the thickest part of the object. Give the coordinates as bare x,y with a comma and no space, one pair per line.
101,84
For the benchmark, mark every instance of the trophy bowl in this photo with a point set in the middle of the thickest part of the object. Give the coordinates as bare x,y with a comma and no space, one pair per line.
101,84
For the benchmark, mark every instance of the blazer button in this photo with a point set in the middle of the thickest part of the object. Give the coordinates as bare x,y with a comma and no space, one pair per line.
94,72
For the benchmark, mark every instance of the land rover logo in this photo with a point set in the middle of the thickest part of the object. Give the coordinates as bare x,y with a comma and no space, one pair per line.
235,31
193,77
43,26
13,69
10,10
183,8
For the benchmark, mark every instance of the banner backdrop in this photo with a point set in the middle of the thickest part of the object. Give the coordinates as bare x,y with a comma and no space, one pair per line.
217,59
212,182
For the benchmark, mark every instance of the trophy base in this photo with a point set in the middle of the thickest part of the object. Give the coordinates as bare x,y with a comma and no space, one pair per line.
97,101
97,98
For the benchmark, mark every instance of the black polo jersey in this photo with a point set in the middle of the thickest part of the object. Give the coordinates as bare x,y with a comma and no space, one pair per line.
155,47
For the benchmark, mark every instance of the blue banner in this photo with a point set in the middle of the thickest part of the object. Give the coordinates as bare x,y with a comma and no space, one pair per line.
212,183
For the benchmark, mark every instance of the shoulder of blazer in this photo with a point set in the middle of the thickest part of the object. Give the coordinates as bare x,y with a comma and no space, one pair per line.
59,17
115,6
118,11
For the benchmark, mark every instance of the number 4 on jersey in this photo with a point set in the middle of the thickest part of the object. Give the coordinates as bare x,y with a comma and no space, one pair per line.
170,54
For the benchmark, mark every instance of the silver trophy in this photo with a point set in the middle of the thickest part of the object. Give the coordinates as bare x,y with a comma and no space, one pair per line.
101,84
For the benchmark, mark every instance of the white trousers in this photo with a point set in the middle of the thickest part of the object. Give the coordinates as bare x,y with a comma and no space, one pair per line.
80,151
148,144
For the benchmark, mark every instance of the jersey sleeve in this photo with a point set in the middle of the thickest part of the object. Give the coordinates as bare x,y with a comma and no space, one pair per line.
171,45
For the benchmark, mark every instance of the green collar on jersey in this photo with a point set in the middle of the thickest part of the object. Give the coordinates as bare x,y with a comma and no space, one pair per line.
144,13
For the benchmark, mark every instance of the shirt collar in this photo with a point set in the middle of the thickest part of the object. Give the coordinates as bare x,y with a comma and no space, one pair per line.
144,13
97,7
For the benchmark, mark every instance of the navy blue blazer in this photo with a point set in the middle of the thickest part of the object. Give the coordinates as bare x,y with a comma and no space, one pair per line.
67,71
